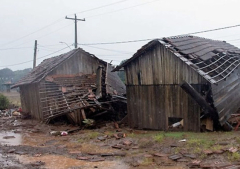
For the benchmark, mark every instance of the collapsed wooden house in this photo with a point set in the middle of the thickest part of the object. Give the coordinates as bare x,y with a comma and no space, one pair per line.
76,84
182,78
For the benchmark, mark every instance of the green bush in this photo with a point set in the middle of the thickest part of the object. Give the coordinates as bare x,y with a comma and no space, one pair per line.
4,102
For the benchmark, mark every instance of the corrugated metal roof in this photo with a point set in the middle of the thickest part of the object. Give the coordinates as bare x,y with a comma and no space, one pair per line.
46,66
214,60
217,61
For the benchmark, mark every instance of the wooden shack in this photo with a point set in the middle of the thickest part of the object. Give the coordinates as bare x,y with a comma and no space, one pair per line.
182,78
69,84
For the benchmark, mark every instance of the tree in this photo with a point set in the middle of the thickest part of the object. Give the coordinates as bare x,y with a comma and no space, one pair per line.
121,74
4,102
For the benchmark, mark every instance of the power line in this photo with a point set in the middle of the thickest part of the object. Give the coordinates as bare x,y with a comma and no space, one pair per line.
33,32
122,9
32,60
50,45
15,48
47,34
140,40
210,30
234,40
60,19
123,52
89,45
118,42
101,6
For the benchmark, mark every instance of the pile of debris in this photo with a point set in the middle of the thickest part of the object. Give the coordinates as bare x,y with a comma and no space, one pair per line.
82,97
9,113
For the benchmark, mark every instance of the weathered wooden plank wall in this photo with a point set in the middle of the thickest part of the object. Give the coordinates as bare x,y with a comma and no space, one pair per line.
149,107
154,93
160,66
81,62
30,100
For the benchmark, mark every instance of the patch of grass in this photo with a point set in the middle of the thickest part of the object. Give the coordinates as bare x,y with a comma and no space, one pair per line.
238,140
132,135
216,147
158,138
234,156
109,133
203,143
196,142
88,136
80,140
202,156
147,161
197,150
176,135
177,150
92,135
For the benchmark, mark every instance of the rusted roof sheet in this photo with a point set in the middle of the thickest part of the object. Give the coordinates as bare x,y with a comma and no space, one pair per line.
45,67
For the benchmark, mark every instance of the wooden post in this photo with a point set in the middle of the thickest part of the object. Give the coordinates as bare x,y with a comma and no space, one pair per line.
35,54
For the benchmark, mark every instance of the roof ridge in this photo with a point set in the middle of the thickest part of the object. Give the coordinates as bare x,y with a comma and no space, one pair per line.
189,35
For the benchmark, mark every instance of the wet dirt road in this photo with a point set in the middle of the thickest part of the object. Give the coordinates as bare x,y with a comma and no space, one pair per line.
29,144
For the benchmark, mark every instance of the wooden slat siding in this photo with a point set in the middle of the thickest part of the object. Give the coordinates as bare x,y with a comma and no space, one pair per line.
152,113
165,65
159,95
23,100
39,107
85,64
30,100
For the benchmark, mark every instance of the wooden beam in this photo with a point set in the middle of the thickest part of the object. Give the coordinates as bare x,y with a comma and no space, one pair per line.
200,100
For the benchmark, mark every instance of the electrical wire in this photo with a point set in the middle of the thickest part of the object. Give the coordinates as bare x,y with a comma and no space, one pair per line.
36,59
123,52
210,30
233,40
122,9
118,42
15,48
58,20
140,40
47,34
32,32
101,7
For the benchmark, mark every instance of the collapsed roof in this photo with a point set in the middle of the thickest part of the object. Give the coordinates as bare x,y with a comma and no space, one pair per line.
216,61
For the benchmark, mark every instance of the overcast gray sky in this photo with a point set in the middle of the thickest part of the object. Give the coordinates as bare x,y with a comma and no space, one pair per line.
23,21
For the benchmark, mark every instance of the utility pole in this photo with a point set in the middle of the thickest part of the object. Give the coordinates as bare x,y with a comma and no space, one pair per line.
75,19
35,54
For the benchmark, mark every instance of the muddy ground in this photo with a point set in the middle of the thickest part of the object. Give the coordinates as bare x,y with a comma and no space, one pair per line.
29,144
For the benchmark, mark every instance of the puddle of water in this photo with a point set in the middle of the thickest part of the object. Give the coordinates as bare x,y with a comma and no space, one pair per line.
8,162
10,141
61,162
